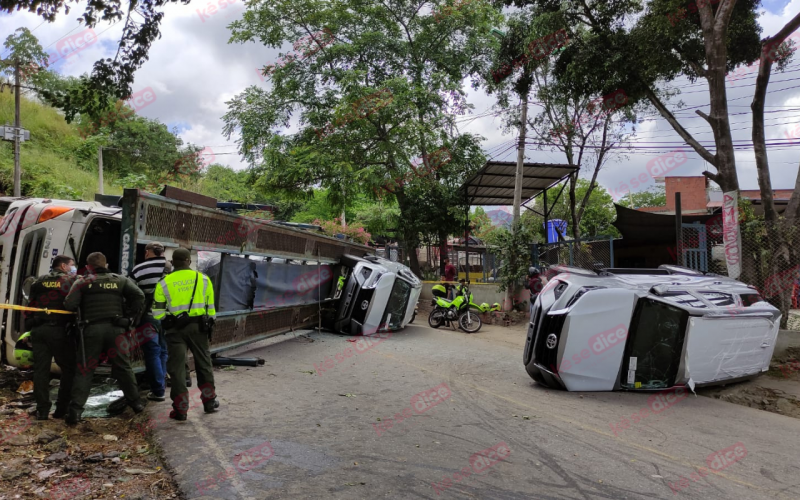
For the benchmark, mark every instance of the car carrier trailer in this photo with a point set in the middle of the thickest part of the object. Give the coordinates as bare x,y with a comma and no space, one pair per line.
269,278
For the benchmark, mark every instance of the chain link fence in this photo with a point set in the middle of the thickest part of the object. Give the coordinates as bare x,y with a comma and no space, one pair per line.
586,254
769,259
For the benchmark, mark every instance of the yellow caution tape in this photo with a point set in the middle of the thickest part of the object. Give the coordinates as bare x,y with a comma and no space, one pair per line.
34,309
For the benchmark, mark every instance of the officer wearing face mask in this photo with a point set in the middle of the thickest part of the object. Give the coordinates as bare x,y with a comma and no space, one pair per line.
49,337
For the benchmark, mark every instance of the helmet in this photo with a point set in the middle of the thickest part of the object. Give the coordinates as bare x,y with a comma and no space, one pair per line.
439,291
496,307
533,271
484,307
23,351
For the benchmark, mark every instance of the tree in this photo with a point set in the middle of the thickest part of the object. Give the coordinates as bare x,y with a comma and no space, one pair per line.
26,52
654,196
568,120
371,93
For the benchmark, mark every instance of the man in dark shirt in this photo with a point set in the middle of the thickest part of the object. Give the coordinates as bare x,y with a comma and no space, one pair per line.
49,337
449,275
107,302
147,274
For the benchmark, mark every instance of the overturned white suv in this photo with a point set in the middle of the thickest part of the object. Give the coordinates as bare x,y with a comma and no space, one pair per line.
647,329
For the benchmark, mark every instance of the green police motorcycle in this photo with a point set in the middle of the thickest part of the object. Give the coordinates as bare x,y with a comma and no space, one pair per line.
459,309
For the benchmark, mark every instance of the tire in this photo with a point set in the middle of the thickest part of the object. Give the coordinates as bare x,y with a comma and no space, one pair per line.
413,317
470,322
436,318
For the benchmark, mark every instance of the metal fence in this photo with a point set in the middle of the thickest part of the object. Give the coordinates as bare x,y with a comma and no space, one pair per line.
592,254
769,258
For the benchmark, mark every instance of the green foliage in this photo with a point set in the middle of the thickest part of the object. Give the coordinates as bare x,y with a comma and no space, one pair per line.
654,196
50,161
354,231
513,248
368,104
25,50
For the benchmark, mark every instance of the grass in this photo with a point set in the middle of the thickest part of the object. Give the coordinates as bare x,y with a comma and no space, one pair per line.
56,162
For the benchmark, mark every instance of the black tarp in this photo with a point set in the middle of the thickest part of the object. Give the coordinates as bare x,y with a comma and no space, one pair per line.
286,284
236,284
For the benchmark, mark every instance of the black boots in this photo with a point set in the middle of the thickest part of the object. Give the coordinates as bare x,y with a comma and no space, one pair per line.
61,412
177,415
211,406
73,416
137,407
42,415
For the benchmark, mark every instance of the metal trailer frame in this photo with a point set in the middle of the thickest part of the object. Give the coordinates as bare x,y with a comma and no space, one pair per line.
148,217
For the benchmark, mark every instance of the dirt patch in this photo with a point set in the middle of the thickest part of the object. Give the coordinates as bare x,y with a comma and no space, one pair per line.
762,398
777,391
99,458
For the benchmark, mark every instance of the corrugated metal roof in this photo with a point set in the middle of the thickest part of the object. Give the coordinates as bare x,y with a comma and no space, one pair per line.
493,184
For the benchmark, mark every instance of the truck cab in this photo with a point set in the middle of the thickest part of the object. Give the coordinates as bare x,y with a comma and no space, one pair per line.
32,232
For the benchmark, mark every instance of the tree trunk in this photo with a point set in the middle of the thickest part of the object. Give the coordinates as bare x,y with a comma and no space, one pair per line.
410,238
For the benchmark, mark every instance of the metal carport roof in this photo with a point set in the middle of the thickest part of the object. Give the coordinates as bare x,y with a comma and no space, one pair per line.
493,184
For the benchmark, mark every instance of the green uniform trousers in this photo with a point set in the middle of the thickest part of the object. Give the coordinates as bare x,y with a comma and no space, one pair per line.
178,341
104,341
50,341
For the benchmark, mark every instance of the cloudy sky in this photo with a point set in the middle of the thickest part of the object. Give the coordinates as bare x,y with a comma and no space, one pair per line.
193,70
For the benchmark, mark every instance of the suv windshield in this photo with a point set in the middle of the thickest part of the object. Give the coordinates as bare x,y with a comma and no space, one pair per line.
398,302
655,342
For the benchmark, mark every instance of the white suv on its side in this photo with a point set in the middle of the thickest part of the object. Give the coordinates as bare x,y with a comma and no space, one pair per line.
647,329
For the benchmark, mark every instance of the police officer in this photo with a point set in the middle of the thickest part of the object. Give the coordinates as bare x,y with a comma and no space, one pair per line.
180,301
49,337
108,304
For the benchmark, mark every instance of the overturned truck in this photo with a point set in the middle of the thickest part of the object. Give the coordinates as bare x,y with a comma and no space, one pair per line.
269,278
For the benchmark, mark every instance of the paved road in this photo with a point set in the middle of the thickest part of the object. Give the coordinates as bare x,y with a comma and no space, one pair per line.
323,444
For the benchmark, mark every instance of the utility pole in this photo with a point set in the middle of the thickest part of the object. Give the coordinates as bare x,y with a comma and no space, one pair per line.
100,169
520,160
17,130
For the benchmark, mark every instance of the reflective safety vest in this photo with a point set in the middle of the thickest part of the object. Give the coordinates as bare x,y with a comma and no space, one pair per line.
173,294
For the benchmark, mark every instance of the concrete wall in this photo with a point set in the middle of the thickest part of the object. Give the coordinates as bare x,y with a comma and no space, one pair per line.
480,293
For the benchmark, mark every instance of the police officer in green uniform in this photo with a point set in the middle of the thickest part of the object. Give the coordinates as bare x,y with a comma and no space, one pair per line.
180,301
108,305
49,337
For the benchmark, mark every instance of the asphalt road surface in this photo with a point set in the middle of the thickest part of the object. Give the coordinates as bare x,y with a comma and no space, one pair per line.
460,418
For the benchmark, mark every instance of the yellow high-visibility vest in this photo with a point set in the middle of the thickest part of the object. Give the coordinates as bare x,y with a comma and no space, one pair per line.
174,293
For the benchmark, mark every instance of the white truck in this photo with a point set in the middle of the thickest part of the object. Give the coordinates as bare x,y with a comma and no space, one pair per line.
34,230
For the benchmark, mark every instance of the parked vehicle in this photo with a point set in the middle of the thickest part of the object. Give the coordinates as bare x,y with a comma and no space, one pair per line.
377,295
646,329
460,309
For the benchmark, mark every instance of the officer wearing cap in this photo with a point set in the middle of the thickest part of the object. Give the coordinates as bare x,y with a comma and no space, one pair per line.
181,301
49,337
108,304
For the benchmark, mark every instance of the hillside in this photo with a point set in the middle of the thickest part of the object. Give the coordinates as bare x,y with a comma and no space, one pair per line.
56,162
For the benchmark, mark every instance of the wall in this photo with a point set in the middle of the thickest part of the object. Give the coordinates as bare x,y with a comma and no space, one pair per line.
692,189
480,293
